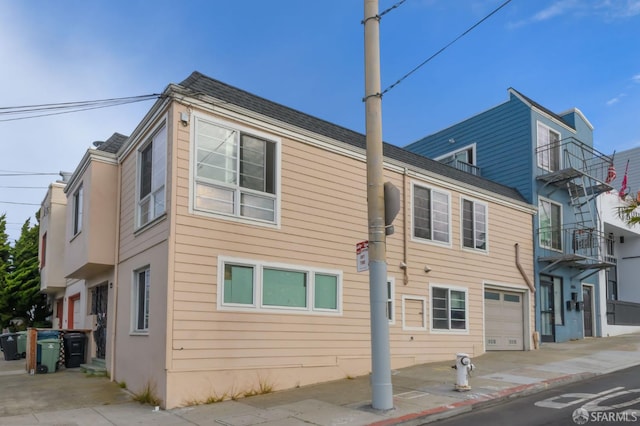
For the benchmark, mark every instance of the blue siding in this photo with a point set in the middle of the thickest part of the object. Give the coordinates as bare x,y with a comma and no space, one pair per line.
503,139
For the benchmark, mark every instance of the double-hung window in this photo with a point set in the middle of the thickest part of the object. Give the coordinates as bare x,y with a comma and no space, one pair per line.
474,225
448,308
430,214
548,148
141,285
235,172
550,224
152,166
250,285
78,201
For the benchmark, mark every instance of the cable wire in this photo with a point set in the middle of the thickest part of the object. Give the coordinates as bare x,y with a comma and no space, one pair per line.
30,111
445,47
391,8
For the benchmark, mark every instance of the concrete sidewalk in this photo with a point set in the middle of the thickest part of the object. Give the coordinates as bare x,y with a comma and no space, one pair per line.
422,393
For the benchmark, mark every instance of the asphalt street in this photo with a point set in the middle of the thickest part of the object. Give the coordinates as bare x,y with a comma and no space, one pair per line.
612,399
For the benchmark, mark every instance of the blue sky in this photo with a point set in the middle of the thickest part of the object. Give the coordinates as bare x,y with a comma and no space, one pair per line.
307,55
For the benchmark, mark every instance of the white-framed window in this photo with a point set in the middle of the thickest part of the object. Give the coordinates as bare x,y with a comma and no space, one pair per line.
431,218
550,224
474,224
152,168
414,313
78,202
548,148
265,286
391,297
449,307
235,171
466,154
141,286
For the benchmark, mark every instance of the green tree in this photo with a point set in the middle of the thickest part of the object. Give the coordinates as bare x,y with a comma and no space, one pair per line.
22,289
5,257
630,210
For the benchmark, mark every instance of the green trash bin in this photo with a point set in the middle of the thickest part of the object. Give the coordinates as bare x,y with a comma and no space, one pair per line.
22,343
50,349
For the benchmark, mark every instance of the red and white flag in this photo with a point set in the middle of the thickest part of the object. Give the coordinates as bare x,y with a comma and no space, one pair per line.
611,174
623,186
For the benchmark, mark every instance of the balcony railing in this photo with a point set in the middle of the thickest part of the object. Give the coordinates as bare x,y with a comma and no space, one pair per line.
461,165
569,158
578,246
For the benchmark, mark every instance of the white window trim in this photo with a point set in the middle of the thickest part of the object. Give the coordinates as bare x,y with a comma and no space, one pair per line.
422,299
561,249
450,230
242,129
471,146
148,140
391,284
134,299
257,306
466,304
486,225
548,129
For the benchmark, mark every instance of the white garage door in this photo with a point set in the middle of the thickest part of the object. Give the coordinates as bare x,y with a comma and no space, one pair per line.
503,320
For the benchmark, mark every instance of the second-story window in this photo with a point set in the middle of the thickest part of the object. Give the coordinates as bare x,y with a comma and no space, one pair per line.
430,214
550,216
474,225
548,148
152,159
235,173
78,199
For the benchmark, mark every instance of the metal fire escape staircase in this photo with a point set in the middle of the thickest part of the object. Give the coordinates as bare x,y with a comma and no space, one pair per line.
583,172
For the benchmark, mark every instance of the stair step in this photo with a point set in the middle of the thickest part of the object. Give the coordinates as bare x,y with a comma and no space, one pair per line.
93,369
99,362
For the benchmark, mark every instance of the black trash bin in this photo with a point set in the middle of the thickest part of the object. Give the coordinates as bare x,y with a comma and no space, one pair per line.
9,343
74,344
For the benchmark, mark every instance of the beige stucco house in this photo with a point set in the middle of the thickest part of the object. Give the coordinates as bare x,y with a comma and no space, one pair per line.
224,230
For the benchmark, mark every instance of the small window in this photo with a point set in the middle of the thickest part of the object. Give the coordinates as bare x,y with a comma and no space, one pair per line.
238,284
512,298
490,295
430,214
152,159
78,201
326,292
141,300
474,225
449,309
550,224
43,251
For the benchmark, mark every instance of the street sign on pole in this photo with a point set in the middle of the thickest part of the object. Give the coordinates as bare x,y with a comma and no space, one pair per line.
362,256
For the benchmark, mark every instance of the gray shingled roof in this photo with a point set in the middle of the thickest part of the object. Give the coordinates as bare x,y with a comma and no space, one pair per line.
200,83
113,144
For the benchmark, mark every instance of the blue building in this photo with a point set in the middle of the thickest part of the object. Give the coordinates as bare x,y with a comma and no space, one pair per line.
549,157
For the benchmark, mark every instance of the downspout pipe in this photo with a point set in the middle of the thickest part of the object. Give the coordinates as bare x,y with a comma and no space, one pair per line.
522,271
112,361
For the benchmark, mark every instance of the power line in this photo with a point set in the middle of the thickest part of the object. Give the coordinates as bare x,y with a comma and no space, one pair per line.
23,187
31,111
20,204
391,8
445,47
27,174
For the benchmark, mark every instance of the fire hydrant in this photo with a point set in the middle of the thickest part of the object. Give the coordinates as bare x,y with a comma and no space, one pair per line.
463,367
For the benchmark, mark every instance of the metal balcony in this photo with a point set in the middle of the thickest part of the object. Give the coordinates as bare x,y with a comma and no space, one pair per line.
561,162
575,247
461,165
